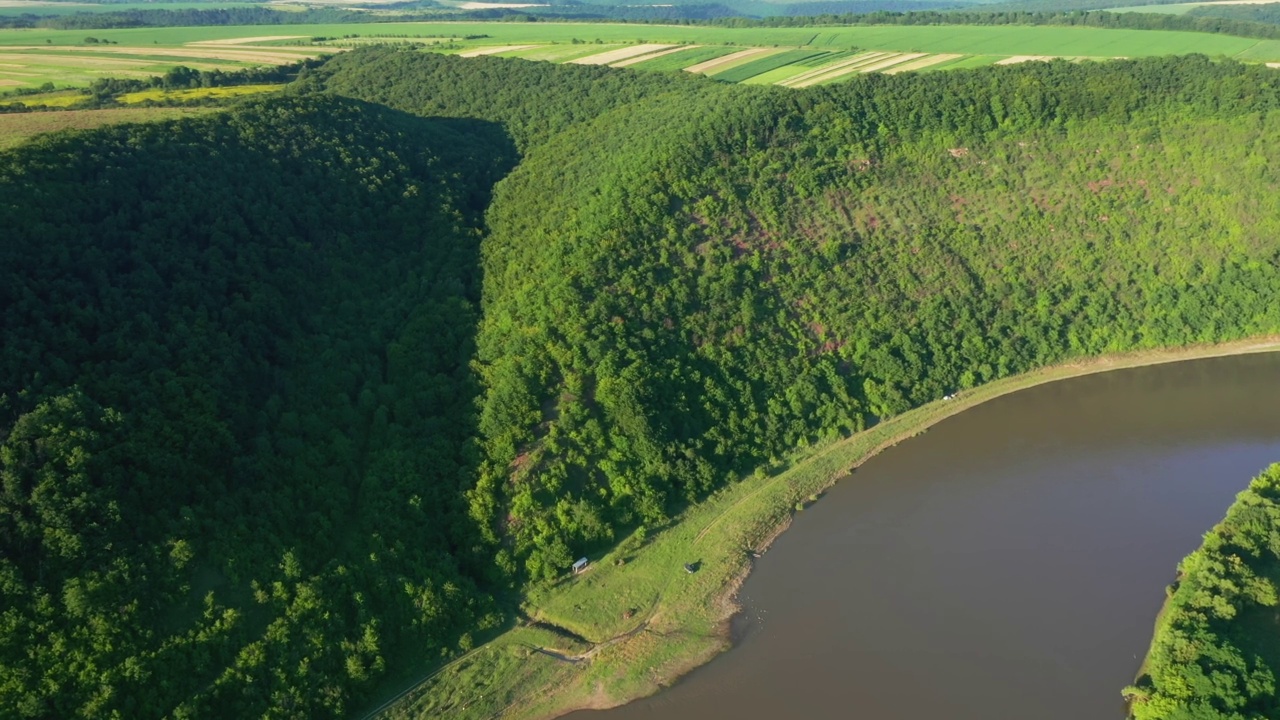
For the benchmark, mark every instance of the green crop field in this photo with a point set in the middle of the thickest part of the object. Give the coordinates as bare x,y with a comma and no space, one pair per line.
685,58
755,67
32,57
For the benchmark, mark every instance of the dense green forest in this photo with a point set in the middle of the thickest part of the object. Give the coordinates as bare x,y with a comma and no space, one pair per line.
703,277
1215,654
302,393
236,418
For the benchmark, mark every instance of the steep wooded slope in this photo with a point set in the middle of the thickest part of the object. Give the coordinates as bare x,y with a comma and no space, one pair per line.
704,277
236,409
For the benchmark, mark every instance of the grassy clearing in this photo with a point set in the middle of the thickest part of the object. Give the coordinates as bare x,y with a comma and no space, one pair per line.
645,619
17,128
158,95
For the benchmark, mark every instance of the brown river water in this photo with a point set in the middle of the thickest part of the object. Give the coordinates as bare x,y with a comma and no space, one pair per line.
1006,565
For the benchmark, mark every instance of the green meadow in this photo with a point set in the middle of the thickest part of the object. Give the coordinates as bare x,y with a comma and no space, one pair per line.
16,128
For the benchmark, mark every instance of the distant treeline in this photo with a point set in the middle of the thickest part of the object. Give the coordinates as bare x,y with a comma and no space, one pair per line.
1129,21
186,17
1216,652
1241,13
193,17
1242,21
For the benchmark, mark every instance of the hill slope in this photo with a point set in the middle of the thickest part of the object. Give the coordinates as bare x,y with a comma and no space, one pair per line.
702,278
236,408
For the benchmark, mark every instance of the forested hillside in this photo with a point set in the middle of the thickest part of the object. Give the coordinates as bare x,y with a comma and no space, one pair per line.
1215,655
293,394
698,280
236,409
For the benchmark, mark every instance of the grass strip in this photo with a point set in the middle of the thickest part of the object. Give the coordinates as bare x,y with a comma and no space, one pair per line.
636,620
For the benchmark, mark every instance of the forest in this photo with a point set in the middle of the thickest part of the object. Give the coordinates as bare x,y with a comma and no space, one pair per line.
224,367
301,394
1215,654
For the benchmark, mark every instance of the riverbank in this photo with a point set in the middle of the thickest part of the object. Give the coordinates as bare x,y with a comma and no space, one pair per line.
637,619
1214,640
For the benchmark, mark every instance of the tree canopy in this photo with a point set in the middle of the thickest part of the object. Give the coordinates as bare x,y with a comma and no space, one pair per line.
302,391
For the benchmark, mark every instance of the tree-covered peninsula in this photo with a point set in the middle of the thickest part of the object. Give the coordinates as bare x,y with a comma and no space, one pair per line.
1215,654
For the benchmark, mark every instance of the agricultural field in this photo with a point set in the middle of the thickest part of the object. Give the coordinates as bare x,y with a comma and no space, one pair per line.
159,95
788,56
28,59
18,127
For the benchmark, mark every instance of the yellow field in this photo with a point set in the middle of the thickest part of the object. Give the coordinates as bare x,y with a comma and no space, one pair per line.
65,98
158,95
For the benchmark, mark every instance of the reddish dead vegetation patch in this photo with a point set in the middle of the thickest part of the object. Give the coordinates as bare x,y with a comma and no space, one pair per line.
958,152
1100,185
828,345
1041,200
862,164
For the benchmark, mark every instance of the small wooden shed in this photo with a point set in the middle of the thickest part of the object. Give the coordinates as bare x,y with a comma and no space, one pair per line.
580,565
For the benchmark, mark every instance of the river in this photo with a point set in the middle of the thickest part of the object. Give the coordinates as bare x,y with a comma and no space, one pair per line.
1008,564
